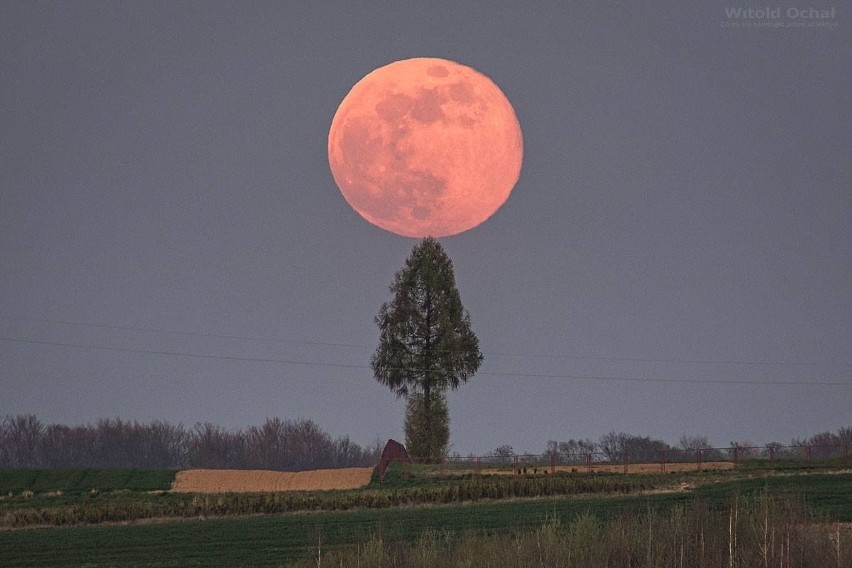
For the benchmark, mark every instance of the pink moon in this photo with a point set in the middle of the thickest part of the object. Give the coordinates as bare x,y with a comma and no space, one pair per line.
425,147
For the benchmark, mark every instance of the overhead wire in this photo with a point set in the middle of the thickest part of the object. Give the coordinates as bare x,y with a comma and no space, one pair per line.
759,382
486,353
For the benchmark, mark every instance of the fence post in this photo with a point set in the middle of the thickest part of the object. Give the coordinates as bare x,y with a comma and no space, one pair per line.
625,459
772,453
736,456
698,458
443,467
516,468
663,462
552,463
477,470
589,462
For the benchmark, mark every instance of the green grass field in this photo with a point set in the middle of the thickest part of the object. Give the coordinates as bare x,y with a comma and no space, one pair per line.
77,481
275,540
93,507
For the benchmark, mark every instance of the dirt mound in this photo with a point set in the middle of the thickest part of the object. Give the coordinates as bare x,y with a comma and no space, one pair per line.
260,481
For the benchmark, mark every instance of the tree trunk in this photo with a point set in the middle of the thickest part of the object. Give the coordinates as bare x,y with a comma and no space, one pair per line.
427,409
427,376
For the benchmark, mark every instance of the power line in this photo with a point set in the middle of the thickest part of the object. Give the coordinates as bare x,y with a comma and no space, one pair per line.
179,353
757,382
488,353
188,333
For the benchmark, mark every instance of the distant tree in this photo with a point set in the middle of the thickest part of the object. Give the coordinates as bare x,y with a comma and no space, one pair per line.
644,449
213,447
23,440
744,450
347,453
159,444
577,451
267,445
826,444
573,446
504,452
774,449
695,443
612,445
574,451
426,343
617,446
58,446
309,446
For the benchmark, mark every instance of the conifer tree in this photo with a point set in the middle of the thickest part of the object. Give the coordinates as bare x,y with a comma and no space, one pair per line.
426,345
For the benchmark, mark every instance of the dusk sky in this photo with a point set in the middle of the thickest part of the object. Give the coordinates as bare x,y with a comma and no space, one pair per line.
676,257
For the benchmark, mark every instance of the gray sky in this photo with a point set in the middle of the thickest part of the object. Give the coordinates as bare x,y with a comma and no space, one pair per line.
683,214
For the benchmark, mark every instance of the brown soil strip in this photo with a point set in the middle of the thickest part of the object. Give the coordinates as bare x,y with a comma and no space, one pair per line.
260,481
631,468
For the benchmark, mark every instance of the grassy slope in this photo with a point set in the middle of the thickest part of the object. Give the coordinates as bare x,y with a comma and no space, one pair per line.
272,540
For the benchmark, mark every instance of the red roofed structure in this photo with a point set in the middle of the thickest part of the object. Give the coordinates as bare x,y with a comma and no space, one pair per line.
393,452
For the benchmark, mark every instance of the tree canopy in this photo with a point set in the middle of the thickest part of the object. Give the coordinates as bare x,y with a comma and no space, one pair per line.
426,343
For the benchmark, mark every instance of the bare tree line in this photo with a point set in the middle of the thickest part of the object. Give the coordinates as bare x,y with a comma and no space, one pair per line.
284,445
614,446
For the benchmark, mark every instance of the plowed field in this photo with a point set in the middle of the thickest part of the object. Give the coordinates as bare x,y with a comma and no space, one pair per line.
259,481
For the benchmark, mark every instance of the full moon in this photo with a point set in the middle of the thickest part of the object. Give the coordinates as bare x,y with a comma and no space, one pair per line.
425,147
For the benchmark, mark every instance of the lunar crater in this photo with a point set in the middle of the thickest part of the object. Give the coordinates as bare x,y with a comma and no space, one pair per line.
427,107
394,107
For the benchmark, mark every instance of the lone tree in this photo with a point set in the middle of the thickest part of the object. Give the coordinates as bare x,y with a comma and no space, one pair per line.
426,346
